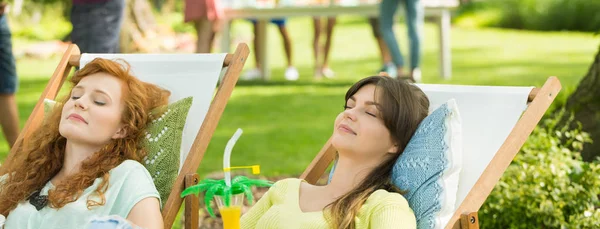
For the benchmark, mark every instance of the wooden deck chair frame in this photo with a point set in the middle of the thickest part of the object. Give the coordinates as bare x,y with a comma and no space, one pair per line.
187,176
466,214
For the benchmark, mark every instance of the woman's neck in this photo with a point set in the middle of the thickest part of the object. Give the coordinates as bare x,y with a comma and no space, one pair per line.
348,174
75,154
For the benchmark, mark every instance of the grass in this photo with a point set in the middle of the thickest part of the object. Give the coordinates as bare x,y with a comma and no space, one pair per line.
286,123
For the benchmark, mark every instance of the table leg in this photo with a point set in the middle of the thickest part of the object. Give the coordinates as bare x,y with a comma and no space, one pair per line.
262,46
445,56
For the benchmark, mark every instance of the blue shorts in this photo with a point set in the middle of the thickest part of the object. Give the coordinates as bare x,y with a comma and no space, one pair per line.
8,72
277,21
96,26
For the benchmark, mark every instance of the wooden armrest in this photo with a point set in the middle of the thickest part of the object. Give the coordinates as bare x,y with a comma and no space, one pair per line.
469,221
191,203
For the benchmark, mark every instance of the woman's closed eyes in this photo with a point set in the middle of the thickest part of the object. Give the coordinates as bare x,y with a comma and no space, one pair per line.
97,101
370,113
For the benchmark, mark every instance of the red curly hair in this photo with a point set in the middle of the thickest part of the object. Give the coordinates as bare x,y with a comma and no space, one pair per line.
46,150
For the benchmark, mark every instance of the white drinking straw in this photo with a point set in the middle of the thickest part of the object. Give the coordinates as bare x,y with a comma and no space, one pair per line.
227,156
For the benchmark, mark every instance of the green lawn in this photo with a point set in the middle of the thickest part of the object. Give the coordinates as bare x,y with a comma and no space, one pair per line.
286,123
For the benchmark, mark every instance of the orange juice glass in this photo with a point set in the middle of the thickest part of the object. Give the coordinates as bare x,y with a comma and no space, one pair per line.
231,214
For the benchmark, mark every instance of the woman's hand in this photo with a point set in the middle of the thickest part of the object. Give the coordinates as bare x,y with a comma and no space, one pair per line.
146,214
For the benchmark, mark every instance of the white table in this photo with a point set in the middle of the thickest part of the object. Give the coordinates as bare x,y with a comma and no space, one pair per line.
440,9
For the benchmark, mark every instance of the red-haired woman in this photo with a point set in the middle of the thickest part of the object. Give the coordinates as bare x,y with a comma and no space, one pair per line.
83,161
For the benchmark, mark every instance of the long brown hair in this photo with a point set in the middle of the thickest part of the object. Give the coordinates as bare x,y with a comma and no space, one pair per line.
403,107
42,156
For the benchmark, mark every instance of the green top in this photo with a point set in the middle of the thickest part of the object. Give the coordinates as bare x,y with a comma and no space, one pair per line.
129,183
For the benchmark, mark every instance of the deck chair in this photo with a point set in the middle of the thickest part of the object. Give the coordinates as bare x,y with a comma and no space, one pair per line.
509,115
184,75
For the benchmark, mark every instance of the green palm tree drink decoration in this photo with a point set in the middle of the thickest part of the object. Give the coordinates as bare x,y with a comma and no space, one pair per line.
228,193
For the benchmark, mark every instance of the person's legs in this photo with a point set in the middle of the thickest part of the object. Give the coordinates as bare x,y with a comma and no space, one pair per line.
316,45
386,58
387,9
256,72
205,31
291,73
96,26
204,34
414,24
257,47
325,70
287,43
114,21
215,28
383,50
211,41
81,30
9,117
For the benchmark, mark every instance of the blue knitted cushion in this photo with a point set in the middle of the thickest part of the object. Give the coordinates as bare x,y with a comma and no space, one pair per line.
429,167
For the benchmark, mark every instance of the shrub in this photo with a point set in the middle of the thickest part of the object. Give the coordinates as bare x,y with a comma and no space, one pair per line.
41,22
547,185
576,15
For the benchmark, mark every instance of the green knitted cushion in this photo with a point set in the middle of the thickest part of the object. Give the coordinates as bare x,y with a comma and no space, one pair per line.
162,142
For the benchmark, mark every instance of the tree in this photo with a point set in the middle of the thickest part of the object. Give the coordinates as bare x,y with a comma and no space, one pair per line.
138,25
141,33
585,104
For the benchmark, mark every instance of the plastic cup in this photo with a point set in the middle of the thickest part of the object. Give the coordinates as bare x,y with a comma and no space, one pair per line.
231,214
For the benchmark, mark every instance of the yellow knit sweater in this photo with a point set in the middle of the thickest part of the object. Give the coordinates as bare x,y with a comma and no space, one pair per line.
280,208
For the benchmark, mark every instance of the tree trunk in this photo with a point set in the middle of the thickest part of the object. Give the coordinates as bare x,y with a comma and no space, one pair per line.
585,104
139,28
168,7
142,34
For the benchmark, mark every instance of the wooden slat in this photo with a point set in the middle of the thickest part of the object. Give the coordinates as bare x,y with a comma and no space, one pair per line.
191,203
533,94
205,133
74,60
37,115
493,172
227,60
319,164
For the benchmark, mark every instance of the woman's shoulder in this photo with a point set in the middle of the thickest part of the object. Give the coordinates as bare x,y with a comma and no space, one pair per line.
383,198
284,187
131,174
385,209
284,190
129,164
285,184
288,181
129,167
